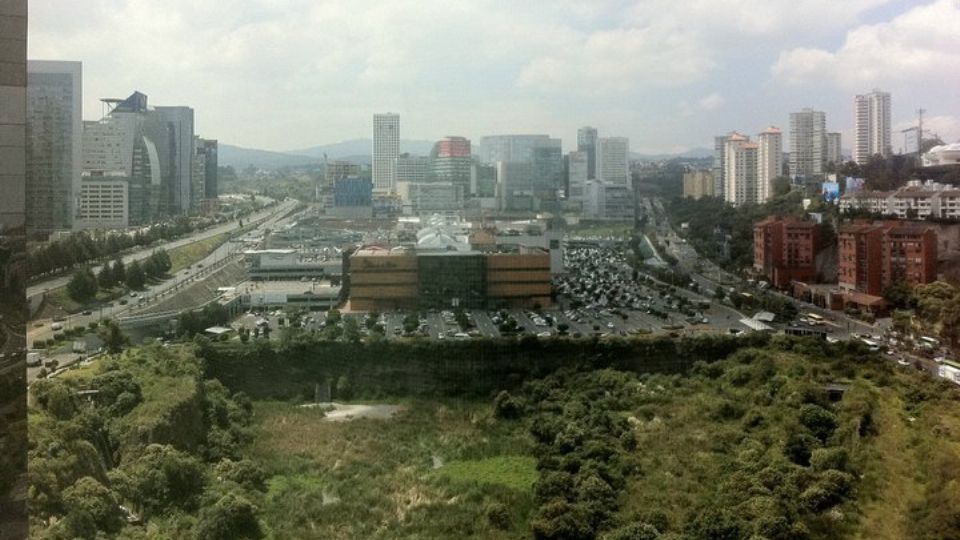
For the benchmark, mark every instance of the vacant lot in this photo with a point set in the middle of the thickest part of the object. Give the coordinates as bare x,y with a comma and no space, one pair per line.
432,470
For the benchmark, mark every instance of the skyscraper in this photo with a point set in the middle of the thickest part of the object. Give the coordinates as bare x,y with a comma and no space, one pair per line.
719,164
871,126
13,114
808,139
769,162
54,137
451,161
587,143
577,175
178,122
834,148
386,148
613,161
136,143
740,169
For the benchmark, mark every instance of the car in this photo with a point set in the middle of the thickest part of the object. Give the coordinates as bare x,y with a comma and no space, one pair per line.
903,362
134,294
38,324
87,312
56,326
123,302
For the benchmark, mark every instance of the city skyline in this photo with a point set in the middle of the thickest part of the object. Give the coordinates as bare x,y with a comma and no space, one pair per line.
621,66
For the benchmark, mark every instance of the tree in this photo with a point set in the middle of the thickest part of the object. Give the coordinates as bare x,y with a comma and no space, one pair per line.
91,507
351,330
232,517
898,294
105,277
344,388
119,271
818,420
135,276
114,340
82,286
244,472
161,478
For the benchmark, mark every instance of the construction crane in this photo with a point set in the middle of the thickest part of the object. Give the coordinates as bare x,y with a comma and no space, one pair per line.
918,129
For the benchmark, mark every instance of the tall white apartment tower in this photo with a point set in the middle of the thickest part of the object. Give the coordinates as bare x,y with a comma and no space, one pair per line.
808,140
769,162
871,126
613,161
386,149
740,174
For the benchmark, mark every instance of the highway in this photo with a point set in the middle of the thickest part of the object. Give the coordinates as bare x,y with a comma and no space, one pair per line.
41,329
61,281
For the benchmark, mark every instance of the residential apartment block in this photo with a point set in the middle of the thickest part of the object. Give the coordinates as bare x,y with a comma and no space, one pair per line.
698,184
872,256
785,250
916,200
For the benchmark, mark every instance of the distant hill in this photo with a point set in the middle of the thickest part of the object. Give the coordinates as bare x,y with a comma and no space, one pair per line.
239,158
354,149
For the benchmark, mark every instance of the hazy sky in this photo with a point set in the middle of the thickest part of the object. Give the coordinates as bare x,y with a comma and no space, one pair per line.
669,74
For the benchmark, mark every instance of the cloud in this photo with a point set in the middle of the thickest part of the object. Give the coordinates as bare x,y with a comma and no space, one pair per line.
712,102
293,73
920,46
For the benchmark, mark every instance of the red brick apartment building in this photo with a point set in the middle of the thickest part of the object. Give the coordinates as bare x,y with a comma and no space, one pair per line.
875,255
785,250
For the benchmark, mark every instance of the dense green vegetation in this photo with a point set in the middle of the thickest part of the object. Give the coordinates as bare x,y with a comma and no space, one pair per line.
724,233
931,309
144,430
84,286
761,438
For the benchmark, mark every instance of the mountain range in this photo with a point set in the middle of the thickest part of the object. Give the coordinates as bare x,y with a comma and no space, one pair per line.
358,151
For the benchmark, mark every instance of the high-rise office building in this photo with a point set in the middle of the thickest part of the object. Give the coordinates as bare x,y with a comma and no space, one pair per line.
13,117
54,138
740,169
808,138
587,143
719,164
613,160
414,169
577,167
769,162
386,148
178,122
451,161
834,149
542,156
210,178
871,130
512,148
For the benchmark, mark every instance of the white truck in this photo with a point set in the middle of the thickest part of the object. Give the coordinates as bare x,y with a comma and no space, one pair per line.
949,371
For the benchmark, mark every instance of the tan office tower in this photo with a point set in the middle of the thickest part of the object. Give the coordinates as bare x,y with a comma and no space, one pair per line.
769,162
740,170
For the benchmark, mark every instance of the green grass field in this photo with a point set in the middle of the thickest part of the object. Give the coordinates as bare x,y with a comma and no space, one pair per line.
432,471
